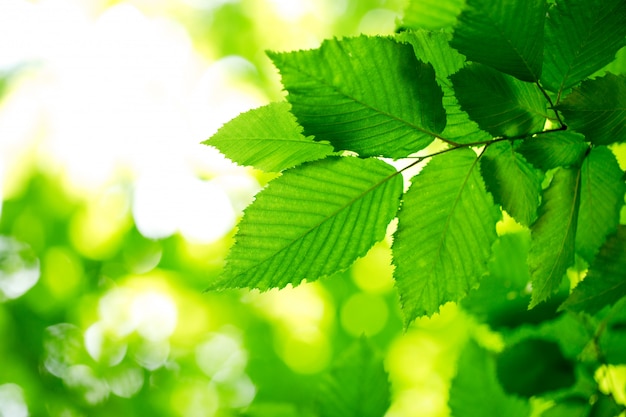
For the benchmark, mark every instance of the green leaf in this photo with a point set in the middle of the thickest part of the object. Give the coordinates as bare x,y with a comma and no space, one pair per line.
574,407
445,231
500,104
357,386
434,48
369,95
554,234
513,182
431,14
268,138
613,335
601,198
605,282
554,149
582,36
597,109
312,221
506,35
475,390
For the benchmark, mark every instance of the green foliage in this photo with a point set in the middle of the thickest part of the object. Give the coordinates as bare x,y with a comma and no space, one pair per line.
515,188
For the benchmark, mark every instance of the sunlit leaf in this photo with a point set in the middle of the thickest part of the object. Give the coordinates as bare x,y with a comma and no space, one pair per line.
431,14
605,282
367,95
597,109
582,36
500,104
506,35
475,390
601,197
312,221
445,231
555,229
267,138
514,183
554,149
357,386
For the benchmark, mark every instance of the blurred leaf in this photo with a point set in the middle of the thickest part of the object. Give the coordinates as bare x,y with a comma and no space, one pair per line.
582,36
605,282
500,104
312,221
513,182
606,406
268,138
597,109
357,386
555,229
369,95
475,390
504,35
570,408
601,198
445,231
613,339
431,14
533,367
554,149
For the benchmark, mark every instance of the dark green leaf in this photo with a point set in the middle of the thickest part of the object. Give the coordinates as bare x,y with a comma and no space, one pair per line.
606,406
601,198
613,338
569,408
606,280
506,35
533,367
582,36
597,109
357,386
475,390
500,104
554,234
267,138
367,95
554,149
434,48
514,183
312,221
431,14
445,231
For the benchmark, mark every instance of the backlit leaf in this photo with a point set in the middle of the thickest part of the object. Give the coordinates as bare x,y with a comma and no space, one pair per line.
445,231
605,282
475,390
601,198
267,138
597,109
514,183
367,95
554,149
500,104
312,221
554,234
582,36
506,35
431,14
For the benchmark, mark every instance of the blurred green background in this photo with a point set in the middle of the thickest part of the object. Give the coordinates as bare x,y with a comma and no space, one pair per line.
115,218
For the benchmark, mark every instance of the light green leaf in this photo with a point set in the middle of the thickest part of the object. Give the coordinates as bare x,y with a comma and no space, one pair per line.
369,95
582,36
445,231
601,198
431,14
500,104
434,48
513,182
506,35
357,386
312,221
268,138
605,282
554,149
597,109
475,390
554,234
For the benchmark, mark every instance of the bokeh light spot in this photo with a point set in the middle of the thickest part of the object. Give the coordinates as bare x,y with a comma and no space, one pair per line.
12,401
19,268
364,314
